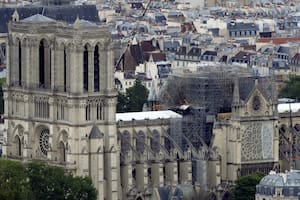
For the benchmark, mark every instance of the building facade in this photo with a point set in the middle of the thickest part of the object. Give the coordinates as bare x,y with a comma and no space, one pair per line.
279,186
250,132
60,107
60,98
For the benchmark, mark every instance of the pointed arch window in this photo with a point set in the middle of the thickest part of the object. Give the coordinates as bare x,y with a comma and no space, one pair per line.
154,141
20,62
96,69
140,142
19,146
65,69
125,142
85,68
62,152
99,109
42,63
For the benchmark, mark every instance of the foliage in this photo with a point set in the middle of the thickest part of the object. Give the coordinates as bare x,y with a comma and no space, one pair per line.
13,181
291,88
122,103
134,98
45,180
245,187
38,180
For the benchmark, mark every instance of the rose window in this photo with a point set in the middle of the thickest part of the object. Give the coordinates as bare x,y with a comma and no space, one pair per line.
44,141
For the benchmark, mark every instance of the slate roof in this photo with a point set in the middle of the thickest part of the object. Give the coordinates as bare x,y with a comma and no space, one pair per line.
241,26
66,13
95,133
84,23
137,53
289,182
171,44
195,51
243,55
264,85
210,53
182,51
157,56
283,49
37,19
147,46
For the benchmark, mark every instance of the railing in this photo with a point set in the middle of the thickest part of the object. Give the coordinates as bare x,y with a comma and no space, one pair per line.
37,86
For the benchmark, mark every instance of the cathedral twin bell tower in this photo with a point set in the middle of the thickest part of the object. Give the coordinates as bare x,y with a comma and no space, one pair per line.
60,99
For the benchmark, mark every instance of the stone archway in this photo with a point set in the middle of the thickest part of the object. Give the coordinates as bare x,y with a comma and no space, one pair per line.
62,147
61,152
18,146
17,142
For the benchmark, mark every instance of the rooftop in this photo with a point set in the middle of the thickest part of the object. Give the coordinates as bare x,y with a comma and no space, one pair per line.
151,115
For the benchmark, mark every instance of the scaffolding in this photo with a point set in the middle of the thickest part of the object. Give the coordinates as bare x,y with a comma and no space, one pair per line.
207,91
199,95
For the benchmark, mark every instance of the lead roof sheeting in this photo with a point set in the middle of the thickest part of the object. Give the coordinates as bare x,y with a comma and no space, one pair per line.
151,115
66,13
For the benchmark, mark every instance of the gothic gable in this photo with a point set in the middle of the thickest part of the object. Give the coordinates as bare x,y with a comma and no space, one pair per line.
257,103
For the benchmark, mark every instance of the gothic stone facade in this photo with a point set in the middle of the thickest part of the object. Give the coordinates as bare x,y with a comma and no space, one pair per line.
60,107
60,99
247,139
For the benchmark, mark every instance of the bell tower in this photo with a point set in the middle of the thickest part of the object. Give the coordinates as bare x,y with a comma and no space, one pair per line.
60,100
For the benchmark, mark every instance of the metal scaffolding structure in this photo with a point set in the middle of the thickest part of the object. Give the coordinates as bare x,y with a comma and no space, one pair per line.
199,95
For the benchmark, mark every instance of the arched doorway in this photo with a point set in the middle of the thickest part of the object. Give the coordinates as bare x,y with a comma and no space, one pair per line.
18,146
62,152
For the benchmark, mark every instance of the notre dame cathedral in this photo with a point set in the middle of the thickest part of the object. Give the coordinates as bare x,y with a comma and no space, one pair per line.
60,107
60,99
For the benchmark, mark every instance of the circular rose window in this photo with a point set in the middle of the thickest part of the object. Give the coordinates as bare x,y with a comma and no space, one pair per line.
44,141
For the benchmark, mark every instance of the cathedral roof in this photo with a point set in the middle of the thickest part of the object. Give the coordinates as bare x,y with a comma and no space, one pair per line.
151,115
66,13
84,23
287,107
37,19
95,133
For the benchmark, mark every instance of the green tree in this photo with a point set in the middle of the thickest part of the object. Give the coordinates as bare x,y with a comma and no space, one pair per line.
45,180
291,88
245,187
122,103
134,98
14,182
48,182
79,188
